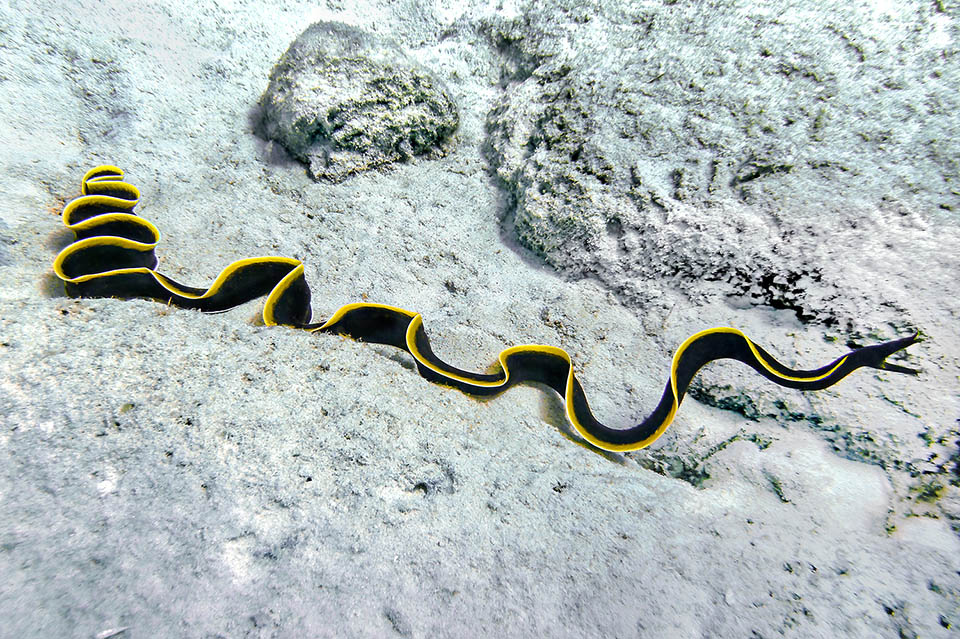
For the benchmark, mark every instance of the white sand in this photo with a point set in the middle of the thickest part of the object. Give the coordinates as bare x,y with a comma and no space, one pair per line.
169,473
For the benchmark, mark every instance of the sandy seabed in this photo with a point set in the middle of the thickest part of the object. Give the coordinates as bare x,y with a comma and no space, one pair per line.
168,473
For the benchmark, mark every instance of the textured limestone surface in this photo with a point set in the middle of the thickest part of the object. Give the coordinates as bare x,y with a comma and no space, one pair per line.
753,146
167,473
343,101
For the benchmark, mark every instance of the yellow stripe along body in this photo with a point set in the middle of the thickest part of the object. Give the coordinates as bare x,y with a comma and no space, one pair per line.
113,256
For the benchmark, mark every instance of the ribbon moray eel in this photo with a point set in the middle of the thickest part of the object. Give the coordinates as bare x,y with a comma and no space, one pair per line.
113,256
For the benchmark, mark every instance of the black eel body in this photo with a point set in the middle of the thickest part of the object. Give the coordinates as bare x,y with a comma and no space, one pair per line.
114,256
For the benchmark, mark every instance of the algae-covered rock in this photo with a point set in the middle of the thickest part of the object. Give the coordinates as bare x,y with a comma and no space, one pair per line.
344,101
769,157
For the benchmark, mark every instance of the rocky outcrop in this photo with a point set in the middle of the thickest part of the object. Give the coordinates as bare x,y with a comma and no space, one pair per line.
343,101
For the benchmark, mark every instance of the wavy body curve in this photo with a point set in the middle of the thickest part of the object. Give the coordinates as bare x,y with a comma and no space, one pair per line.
114,256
